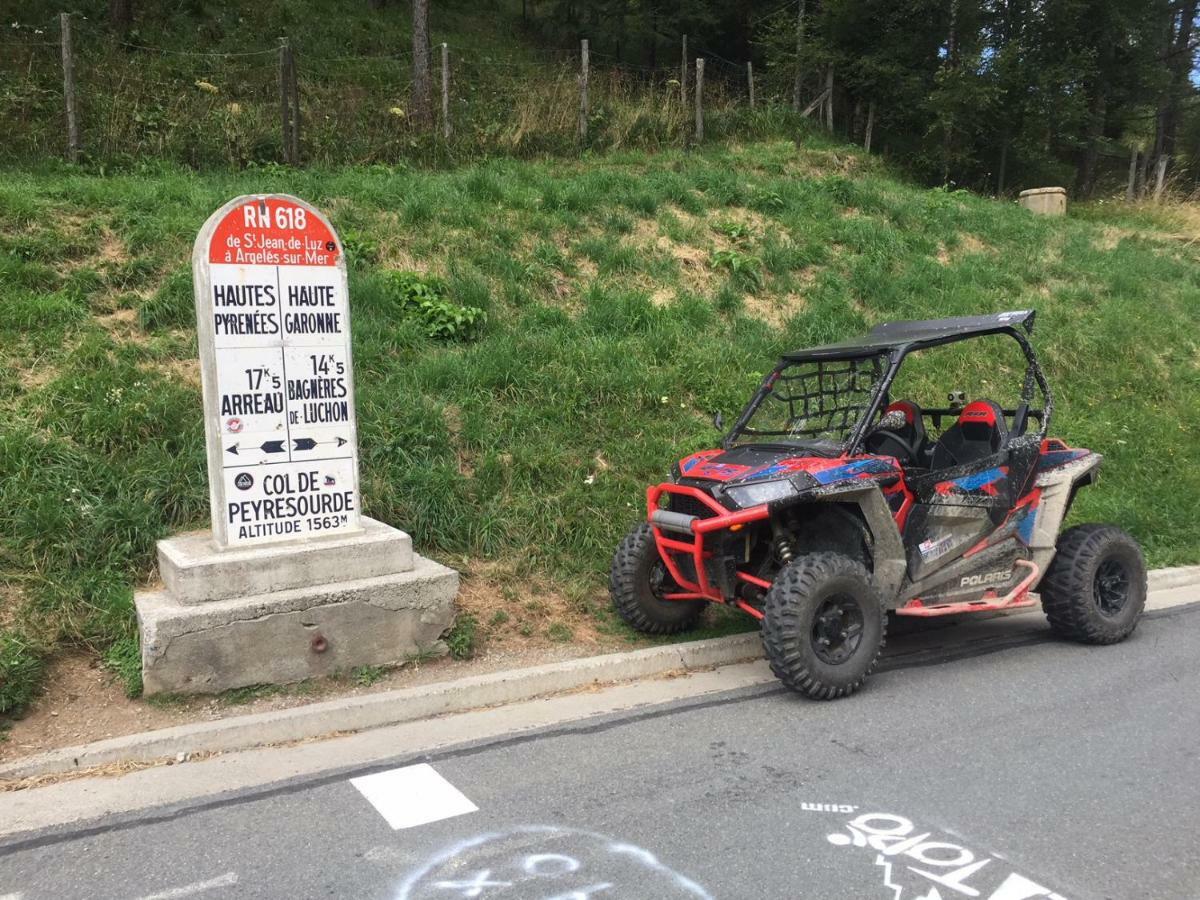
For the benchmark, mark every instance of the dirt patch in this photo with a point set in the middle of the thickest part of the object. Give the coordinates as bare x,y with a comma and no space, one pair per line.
112,250
662,296
516,611
185,370
756,222
1111,236
11,600
966,243
776,310
122,326
33,377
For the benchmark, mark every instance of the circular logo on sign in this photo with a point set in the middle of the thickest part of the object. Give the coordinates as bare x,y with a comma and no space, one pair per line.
234,425
243,481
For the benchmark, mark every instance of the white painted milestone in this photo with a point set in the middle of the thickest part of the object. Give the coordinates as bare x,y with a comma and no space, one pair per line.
273,318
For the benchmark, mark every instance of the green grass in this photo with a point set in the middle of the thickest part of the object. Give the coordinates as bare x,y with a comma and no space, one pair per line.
613,331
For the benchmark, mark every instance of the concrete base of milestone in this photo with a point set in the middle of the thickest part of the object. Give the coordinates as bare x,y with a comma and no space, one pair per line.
271,615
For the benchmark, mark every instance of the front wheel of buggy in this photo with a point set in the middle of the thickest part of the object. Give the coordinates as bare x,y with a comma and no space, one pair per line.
823,626
637,583
1095,588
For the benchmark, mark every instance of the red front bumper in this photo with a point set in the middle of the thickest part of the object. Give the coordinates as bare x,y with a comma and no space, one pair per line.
669,548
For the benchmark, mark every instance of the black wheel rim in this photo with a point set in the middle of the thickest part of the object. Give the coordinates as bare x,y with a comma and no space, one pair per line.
1111,588
660,581
837,629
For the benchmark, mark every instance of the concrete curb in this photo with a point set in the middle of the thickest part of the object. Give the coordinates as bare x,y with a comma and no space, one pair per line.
409,704
1175,577
388,708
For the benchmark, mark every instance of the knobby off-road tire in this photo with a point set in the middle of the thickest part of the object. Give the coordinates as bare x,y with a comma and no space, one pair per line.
637,581
1095,588
801,611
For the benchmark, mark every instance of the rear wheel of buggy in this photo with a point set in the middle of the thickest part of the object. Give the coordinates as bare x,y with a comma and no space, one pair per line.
637,583
1095,588
823,626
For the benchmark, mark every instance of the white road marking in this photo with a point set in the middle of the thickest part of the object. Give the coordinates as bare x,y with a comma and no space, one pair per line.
413,795
16,896
227,880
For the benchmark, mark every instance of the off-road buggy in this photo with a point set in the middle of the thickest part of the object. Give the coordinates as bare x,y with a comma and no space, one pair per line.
830,504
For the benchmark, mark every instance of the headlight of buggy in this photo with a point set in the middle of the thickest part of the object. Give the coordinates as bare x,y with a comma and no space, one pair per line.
764,492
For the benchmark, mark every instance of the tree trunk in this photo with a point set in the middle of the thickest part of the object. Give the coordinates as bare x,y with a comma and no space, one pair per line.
1182,55
1085,182
951,65
1002,173
422,84
799,49
120,15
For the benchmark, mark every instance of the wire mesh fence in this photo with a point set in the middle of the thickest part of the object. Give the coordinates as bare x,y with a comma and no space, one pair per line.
225,109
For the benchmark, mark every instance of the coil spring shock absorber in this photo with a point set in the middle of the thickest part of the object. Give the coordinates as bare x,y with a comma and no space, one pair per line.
784,546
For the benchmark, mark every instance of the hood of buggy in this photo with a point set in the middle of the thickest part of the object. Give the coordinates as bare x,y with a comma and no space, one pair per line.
750,464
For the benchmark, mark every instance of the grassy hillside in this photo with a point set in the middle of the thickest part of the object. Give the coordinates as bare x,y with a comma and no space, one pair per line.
627,298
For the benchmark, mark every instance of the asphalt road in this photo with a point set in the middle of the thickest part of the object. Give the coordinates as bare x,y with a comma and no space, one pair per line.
1004,769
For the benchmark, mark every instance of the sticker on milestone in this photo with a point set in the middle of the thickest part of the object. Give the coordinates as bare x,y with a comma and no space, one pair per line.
916,864
932,549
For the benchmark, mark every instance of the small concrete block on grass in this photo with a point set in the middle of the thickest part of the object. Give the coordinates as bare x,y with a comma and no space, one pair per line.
1048,201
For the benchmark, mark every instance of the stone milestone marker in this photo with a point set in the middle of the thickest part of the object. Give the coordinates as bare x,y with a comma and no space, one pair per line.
292,581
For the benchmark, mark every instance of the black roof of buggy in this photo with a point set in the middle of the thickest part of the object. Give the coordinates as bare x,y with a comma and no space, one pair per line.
917,333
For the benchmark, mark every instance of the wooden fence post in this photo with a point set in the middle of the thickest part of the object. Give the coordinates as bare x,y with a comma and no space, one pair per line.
583,92
870,126
1160,177
68,64
285,105
683,76
819,100
445,91
829,99
750,80
294,91
1131,188
699,99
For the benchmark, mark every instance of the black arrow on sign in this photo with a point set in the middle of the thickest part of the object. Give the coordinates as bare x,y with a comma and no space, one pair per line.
232,449
341,442
272,447
304,443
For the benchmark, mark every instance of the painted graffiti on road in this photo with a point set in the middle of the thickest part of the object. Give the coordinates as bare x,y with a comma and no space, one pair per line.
544,862
918,865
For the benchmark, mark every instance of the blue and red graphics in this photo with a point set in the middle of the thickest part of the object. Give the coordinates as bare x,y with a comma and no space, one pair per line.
707,464
859,468
978,482
1052,459
1025,518
700,465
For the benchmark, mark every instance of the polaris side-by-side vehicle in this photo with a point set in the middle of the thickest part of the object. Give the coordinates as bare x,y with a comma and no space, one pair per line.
830,503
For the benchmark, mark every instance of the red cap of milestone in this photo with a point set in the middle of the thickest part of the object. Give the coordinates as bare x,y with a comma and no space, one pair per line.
273,222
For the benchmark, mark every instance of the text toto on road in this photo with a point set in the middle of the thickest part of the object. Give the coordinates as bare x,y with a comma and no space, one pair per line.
273,316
